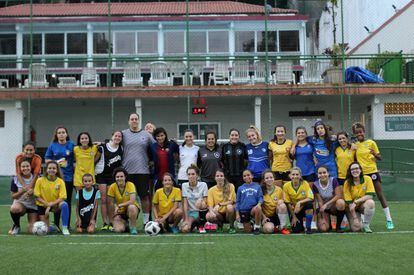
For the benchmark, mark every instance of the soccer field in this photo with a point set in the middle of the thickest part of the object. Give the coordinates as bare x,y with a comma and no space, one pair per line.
381,252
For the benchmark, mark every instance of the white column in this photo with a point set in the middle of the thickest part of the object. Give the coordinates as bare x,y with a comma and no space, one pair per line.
138,109
89,45
19,49
257,112
160,40
232,39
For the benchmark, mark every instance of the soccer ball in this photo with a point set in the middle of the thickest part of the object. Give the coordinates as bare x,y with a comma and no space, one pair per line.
152,228
39,228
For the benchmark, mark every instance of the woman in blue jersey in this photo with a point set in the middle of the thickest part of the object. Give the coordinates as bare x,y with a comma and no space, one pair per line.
257,153
61,151
303,155
324,146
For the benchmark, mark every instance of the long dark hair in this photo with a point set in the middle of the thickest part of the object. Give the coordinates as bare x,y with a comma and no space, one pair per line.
158,131
263,183
274,139
187,131
343,133
55,138
326,138
79,136
58,173
349,176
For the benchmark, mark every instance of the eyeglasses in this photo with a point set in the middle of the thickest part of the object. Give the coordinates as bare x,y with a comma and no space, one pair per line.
355,169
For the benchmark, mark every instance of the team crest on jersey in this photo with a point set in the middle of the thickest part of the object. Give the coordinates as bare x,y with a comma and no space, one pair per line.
364,188
92,154
126,193
250,151
263,149
239,151
303,193
67,152
374,177
204,156
217,155
57,187
228,152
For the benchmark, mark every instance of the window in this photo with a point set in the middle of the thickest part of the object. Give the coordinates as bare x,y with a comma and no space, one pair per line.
289,41
1,119
7,44
100,42
197,42
218,41
271,41
76,43
174,42
37,43
147,42
244,41
200,129
125,43
54,43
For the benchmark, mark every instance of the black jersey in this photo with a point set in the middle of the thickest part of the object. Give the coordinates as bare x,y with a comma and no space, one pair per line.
111,159
234,158
86,207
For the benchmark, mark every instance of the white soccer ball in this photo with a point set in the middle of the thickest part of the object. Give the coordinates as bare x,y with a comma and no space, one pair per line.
152,228
39,228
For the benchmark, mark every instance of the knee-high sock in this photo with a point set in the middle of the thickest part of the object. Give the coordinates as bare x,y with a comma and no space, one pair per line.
65,214
368,214
282,219
16,218
202,215
308,222
339,218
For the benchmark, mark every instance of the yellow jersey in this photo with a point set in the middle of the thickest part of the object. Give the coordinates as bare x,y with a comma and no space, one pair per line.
344,158
364,156
164,202
125,196
293,195
281,160
215,196
270,201
49,190
85,163
353,191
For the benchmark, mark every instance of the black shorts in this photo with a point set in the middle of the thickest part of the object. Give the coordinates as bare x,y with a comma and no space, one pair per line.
245,217
142,184
308,205
31,211
376,178
256,179
341,181
41,211
237,181
284,176
101,179
310,178
274,219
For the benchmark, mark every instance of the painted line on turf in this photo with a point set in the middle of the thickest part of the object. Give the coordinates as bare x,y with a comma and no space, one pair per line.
112,243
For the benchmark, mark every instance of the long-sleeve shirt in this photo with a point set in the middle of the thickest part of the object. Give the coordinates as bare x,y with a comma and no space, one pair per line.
248,196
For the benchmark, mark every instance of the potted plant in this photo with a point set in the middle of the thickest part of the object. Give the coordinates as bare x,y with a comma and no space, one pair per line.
334,73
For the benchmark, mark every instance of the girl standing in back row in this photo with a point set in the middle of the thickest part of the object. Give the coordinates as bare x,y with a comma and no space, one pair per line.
188,155
85,156
279,155
257,153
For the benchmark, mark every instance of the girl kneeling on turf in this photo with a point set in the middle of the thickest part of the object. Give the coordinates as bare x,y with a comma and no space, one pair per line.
87,205
23,201
329,196
248,203
299,199
50,193
221,199
358,193
165,204
123,206
194,201
274,207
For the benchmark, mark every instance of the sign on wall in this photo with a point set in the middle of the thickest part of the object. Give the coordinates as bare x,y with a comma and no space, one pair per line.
399,123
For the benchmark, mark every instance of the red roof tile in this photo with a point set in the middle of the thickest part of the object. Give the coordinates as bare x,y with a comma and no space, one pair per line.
137,9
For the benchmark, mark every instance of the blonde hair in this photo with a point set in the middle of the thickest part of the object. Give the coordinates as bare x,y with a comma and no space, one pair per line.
254,129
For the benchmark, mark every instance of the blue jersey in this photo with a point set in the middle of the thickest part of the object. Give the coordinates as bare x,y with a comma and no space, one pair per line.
248,196
323,155
63,154
304,159
258,158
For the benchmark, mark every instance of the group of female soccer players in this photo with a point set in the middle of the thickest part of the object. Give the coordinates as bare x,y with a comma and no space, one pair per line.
276,186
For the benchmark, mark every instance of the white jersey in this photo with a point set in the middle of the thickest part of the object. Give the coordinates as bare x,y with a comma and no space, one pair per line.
188,156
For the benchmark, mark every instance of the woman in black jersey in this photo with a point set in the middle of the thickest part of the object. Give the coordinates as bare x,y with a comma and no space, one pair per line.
110,157
209,159
234,158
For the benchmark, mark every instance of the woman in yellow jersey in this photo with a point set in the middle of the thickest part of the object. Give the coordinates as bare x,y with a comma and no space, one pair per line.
85,157
358,194
299,199
328,194
367,154
123,207
273,207
50,194
220,201
279,155
344,155
166,205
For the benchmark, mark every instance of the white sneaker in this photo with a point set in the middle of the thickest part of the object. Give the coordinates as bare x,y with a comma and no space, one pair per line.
314,226
14,230
65,231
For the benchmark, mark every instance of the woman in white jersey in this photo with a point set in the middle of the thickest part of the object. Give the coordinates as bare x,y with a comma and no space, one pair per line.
188,156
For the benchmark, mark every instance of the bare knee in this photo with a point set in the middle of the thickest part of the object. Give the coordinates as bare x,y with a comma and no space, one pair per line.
340,205
281,208
369,204
230,209
211,217
178,213
16,208
201,204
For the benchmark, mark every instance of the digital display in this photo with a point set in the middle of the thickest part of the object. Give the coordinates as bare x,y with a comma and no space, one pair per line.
199,111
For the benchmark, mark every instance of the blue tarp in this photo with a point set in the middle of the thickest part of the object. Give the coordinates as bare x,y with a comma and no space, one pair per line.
361,75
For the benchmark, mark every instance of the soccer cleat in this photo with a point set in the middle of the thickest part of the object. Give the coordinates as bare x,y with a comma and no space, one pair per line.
213,226
105,227
309,231
256,230
333,225
313,225
232,230
133,231
175,230
202,230
110,228
207,226
390,225
366,228
65,231
285,231
14,230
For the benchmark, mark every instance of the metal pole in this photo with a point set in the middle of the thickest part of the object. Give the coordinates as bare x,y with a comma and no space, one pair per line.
343,66
269,101
108,76
187,45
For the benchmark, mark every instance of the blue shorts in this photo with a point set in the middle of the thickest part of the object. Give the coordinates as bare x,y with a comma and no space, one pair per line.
194,214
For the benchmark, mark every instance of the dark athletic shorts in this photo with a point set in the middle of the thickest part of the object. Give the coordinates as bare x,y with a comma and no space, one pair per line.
245,217
284,176
42,210
141,182
310,178
376,178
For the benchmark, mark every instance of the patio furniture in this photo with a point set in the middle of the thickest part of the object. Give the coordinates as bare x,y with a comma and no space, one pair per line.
259,75
178,70
240,73
67,81
284,73
132,75
159,74
89,78
37,76
220,74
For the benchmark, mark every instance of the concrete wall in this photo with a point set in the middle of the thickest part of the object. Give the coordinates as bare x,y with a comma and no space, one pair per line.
11,136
